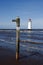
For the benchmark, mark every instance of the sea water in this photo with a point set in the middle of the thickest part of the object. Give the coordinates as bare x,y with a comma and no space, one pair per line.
8,40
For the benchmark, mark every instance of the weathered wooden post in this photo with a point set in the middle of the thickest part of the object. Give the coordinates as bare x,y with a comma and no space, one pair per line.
17,36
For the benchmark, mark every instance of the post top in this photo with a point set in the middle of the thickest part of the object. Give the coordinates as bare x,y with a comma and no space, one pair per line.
17,17
15,20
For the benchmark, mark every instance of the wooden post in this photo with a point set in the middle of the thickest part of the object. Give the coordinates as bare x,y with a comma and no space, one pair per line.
17,36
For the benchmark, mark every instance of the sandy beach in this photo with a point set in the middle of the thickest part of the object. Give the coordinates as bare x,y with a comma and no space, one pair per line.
7,57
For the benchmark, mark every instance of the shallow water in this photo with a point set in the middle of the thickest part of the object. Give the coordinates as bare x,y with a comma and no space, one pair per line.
8,39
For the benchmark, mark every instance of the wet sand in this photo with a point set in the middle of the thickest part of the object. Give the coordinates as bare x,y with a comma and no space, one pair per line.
7,57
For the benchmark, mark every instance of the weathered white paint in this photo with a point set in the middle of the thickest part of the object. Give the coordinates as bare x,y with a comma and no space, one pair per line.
17,28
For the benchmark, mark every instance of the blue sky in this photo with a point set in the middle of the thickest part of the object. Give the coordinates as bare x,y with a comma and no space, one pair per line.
25,9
